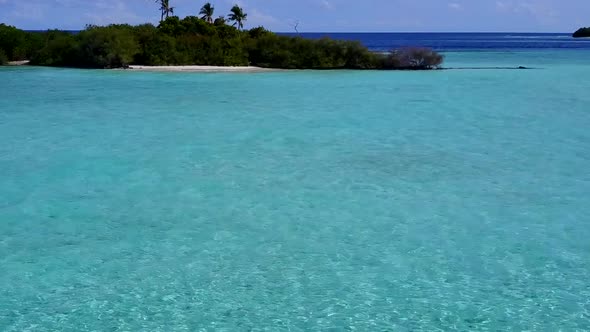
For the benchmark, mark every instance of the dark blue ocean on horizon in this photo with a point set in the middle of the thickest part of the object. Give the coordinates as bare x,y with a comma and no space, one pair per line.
459,41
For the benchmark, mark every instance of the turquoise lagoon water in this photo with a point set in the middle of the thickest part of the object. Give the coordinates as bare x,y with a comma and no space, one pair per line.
300,201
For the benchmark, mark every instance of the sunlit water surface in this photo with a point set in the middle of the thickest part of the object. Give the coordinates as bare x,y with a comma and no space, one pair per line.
301,201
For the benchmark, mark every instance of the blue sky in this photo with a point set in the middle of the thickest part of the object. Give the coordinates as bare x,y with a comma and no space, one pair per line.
319,15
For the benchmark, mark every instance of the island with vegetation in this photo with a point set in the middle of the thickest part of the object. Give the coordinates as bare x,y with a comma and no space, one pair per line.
582,32
199,40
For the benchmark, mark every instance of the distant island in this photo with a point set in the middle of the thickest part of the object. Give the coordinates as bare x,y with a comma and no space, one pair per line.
582,32
198,40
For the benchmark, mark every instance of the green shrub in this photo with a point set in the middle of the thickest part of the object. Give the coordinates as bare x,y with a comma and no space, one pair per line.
18,44
195,25
171,26
155,49
60,49
3,58
11,40
113,46
270,50
220,21
258,32
415,58
356,56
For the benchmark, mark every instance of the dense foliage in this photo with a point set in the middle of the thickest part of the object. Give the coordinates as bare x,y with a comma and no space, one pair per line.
18,45
3,57
195,40
582,32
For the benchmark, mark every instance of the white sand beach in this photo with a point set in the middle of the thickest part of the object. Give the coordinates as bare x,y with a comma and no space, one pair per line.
19,63
244,69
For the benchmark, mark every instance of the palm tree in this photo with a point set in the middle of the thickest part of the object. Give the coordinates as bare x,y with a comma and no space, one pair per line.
207,11
165,9
237,16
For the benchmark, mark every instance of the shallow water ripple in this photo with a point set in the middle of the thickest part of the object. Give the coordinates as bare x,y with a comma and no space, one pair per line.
295,201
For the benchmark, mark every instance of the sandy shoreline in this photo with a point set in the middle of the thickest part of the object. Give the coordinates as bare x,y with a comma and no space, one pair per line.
245,69
19,63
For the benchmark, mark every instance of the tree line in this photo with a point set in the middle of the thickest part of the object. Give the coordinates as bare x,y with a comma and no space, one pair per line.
198,40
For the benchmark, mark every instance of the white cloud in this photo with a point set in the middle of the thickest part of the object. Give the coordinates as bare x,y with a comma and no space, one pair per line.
235,2
541,11
256,17
501,5
31,11
455,6
107,12
326,4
